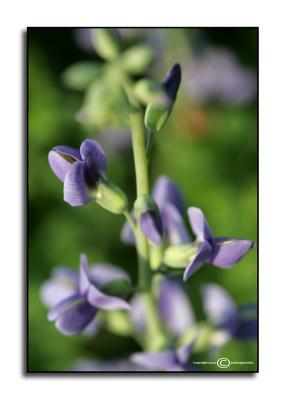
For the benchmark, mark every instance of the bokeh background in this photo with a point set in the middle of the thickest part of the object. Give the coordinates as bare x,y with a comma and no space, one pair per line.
209,147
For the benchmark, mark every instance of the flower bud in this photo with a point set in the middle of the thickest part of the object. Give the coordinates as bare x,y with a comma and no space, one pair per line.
148,91
179,256
110,197
156,116
136,59
80,75
106,42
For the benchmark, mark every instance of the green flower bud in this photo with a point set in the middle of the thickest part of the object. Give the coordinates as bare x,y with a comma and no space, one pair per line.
136,59
106,42
110,197
80,75
148,91
156,116
178,256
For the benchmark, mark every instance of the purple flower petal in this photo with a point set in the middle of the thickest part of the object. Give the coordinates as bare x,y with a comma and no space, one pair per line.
203,253
94,155
84,279
76,318
228,251
101,301
172,81
219,307
199,224
75,188
152,227
174,307
138,313
183,352
127,235
174,225
164,360
165,191
52,292
61,307
101,274
69,153
92,328
65,274
58,164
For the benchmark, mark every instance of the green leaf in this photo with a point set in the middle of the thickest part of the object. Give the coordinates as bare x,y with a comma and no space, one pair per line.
80,75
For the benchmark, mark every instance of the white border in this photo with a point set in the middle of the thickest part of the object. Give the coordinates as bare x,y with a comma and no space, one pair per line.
14,18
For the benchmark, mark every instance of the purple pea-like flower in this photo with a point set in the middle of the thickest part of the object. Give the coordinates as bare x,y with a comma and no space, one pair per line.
222,252
79,170
151,225
177,317
240,323
170,202
80,296
173,305
169,360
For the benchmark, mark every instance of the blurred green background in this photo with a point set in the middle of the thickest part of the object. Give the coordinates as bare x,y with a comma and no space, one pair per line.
209,147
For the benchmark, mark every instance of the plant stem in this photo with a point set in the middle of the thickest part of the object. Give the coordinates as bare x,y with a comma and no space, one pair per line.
155,338
142,185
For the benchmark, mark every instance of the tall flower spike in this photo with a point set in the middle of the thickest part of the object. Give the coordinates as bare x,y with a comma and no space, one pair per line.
76,307
222,252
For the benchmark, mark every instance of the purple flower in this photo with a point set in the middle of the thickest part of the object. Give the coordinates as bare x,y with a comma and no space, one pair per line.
168,360
151,225
218,75
171,206
75,299
240,323
79,170
177,317
222,252
173,305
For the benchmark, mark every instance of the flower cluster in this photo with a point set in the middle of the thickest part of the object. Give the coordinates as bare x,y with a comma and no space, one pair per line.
159,316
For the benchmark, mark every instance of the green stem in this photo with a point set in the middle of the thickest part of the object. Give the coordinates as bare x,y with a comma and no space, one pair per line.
142,185
155,338
130,221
